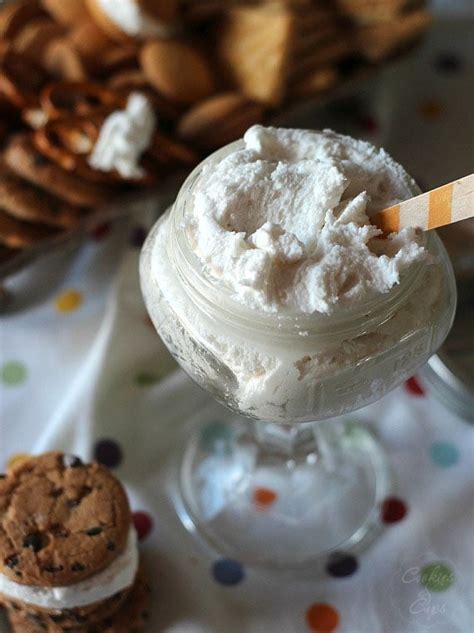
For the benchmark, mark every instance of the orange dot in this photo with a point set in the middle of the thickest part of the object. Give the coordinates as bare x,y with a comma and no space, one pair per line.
322,618
16,459
69,301
430,109
264,497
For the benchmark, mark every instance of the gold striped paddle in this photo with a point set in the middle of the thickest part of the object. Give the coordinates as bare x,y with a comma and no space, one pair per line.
445,205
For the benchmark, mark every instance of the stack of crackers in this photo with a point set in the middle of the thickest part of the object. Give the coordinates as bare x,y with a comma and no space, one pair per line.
211,69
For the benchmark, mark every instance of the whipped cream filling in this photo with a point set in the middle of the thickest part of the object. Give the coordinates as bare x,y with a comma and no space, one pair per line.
284,222
123,138
129,17
119,575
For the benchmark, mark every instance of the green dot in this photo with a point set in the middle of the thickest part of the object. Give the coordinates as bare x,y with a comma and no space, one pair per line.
146,378
13,373
437,577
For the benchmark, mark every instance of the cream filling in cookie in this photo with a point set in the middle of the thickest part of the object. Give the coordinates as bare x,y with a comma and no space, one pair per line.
130,18
119,575
123,138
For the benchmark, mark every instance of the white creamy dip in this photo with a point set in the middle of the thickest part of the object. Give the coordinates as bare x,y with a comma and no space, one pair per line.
284,222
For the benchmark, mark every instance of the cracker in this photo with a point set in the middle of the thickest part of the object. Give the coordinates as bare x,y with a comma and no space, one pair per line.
254,46
263,46
380,41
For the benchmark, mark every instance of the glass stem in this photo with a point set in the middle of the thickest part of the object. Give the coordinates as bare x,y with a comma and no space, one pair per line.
311,442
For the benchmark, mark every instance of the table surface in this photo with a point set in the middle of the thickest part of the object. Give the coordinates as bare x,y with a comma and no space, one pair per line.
82,370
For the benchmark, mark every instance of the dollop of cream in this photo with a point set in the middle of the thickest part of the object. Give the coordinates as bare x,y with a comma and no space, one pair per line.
123,138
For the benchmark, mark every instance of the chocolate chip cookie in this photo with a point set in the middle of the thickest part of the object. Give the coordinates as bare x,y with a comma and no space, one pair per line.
61,521
131,617
60,619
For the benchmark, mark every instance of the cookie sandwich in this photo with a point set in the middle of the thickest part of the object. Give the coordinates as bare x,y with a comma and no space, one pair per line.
68,552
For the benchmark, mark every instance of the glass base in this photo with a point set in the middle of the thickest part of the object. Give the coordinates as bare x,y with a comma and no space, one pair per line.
283,496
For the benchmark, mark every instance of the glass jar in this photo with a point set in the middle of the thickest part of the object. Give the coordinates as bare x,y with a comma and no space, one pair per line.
286,367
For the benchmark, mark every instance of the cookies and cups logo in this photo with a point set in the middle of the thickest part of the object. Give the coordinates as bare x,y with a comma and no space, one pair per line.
421,591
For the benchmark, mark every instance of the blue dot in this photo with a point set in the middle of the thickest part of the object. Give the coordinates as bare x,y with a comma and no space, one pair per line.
228,572
444,454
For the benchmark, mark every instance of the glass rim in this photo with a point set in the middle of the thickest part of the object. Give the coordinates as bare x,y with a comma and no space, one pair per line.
217,299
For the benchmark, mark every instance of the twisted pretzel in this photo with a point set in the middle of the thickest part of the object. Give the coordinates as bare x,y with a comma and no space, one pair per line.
20,79
78,98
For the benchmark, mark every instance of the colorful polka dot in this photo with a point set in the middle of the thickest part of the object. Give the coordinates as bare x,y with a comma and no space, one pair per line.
146,379
322,618
69,301
216,437
228,572
444,454
448,63
413,386
108,453
143,524
101,231
430,109
437,577
138,236
341,565
393,510
264,497
16,459
13,373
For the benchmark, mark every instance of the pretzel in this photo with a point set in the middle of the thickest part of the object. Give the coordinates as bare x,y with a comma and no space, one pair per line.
78,98
69,140
20,79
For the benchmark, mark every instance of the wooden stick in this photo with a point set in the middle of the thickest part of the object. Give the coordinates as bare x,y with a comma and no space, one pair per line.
445,205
